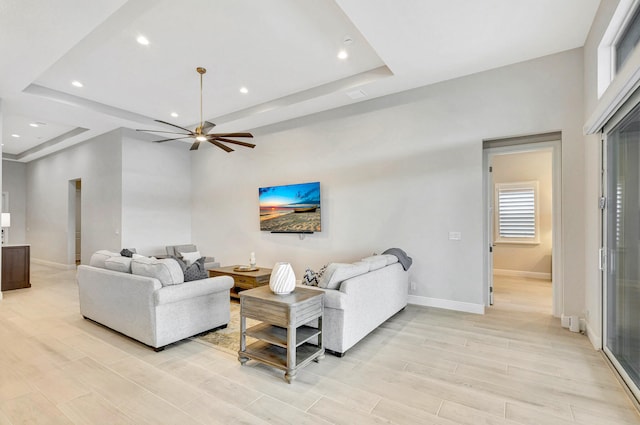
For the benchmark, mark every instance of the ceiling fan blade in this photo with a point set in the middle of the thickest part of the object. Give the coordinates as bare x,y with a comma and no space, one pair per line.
231,135
195,146
207,126
221,146
173,125
168,140
248,145
167,132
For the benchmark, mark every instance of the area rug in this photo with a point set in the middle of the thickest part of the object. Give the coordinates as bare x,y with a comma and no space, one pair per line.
228,339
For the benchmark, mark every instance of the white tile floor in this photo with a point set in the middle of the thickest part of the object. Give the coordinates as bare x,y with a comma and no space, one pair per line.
514,365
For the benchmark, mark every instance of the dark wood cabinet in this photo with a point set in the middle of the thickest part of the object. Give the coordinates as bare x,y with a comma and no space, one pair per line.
16,272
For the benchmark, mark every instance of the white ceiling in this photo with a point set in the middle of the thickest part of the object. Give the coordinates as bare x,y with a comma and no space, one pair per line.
283,51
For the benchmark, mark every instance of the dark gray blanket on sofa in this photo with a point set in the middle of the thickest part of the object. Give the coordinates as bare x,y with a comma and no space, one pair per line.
403,258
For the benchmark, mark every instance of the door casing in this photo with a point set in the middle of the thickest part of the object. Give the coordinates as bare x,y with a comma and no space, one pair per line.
556,259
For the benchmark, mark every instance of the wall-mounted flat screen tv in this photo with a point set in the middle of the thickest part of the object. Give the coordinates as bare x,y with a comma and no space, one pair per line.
293,208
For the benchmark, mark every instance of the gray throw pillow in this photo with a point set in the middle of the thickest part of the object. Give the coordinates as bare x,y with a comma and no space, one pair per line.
194,271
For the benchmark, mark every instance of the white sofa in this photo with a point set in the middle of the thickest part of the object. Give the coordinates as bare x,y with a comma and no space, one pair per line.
359,297
152,305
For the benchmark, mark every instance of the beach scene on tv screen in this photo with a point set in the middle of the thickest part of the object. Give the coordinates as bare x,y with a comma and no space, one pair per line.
292,208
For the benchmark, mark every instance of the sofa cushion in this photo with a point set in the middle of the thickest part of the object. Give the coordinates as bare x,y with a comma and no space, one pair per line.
338,272
175,250
118,264
391,259
190,257
375,262
166,270
99,257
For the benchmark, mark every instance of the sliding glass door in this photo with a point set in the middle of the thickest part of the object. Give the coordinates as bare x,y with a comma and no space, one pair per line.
622,247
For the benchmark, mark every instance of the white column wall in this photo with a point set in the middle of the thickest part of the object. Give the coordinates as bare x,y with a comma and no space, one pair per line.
156,194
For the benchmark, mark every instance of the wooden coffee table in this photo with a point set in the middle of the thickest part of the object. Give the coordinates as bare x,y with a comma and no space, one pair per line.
284,334
243,280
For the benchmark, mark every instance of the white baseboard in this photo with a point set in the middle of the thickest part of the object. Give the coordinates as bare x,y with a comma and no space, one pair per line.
60,266
522,273
446,304
594,337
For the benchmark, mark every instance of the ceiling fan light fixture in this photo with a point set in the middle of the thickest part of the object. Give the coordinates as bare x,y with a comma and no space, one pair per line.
202,133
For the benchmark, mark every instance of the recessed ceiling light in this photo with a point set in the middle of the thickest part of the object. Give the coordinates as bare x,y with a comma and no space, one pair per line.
34,124
343,54
15,135
143,40
244,90
77,83
174,114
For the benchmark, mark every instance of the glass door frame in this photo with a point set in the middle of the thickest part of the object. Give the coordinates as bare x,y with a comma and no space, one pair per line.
605,255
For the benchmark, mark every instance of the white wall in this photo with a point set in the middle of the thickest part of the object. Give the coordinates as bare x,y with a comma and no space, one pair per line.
14,181
525,167
156,194
593,160
400,171
135,194
97,163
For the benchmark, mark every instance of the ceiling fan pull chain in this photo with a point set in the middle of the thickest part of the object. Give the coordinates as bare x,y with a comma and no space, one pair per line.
201,123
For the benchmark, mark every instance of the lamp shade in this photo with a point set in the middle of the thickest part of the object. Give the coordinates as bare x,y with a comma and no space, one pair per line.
5,220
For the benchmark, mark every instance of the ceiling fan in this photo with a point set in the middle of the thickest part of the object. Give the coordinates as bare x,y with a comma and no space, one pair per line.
201,133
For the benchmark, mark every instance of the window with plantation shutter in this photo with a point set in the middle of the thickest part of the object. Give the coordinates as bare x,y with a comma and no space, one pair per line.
517,212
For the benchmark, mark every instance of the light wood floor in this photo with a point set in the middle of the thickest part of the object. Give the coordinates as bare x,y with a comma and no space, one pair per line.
514,365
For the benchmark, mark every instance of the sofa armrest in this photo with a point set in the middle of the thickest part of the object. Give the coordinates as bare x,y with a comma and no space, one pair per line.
120,301
192,289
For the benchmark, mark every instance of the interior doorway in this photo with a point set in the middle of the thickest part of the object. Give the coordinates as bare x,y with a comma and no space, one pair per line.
522,232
